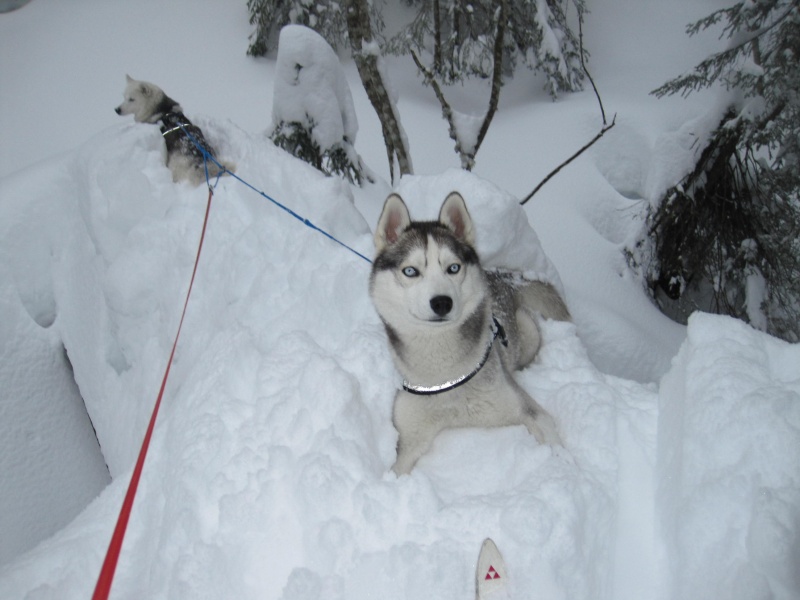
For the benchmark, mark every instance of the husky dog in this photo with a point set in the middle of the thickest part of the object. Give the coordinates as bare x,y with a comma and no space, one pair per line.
456,332
149,104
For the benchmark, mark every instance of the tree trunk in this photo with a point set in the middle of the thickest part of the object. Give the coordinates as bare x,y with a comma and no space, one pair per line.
467,155
360,33
497,74
437,39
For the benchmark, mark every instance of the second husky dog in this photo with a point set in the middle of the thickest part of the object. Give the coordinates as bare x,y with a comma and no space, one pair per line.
149,104
456,332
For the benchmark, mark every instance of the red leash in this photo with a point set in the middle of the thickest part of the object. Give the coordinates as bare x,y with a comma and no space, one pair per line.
106,577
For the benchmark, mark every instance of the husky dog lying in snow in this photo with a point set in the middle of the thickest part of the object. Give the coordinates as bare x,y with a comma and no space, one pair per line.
149,104
455,331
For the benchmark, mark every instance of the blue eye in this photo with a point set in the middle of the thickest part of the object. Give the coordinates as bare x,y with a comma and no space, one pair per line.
410,272
454,268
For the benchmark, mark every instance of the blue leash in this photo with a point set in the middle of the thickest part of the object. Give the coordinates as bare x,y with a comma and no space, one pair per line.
208,156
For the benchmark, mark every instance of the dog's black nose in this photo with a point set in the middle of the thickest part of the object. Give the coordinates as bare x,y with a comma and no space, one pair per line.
441,305
117,110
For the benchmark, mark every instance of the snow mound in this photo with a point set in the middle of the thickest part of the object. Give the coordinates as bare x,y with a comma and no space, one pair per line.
505,239
729,463
268,476
311,88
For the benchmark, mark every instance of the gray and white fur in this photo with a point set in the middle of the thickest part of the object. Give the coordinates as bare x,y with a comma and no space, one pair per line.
149,104
439,308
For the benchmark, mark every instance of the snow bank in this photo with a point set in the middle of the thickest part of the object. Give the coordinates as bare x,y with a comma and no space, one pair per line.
49,457
269,470
729,464
505,239
50,462
269,475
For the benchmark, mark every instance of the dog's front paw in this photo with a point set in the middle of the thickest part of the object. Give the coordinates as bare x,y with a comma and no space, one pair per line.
399,469
543,428
404,463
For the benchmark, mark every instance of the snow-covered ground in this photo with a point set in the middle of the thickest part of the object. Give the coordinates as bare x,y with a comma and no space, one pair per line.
269,471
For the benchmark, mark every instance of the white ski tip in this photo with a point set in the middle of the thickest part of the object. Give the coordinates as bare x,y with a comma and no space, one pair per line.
490,575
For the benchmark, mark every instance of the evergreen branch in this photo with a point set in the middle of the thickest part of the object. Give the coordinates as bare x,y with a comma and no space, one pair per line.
703,75
709,70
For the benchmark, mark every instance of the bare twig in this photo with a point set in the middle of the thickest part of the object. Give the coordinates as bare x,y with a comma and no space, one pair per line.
569,160
585,70
602,132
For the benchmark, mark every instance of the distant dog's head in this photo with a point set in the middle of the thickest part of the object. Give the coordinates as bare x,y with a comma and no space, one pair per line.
426,272
141,100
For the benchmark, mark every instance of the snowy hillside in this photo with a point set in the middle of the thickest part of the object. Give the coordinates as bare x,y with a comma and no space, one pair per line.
269,471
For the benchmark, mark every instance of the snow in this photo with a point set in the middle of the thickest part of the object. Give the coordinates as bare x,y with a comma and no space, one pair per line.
734,494
269,475
468,128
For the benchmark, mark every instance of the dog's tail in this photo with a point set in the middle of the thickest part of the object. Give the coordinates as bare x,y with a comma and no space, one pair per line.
197,173
223,167
215,169
544,299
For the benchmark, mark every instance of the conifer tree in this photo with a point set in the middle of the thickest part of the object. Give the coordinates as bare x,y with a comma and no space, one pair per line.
726,238
460,39
327,17
353,24
313,117
453,40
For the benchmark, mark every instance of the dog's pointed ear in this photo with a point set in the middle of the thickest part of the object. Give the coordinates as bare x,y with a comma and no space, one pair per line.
128,78
455,216
145,89
394,219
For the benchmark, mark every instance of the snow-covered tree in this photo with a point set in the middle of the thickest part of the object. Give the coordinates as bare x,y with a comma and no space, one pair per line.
459,37
326,17
726,238
353,24
313,116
